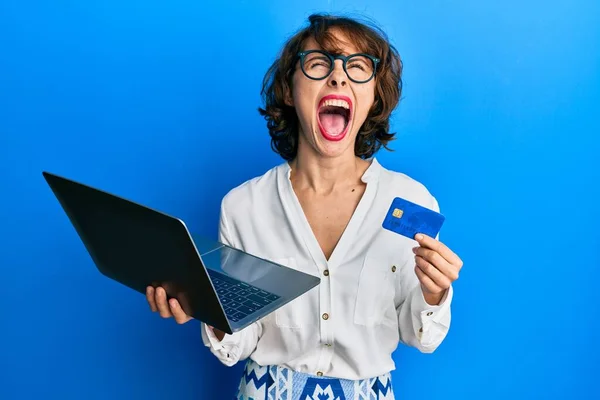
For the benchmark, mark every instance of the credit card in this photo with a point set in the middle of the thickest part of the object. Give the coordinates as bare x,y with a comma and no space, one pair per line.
407,219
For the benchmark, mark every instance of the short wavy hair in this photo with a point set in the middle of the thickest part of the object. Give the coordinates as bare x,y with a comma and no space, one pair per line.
282,120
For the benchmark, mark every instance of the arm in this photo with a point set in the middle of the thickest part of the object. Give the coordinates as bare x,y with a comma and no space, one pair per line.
422,325
424,313
230,349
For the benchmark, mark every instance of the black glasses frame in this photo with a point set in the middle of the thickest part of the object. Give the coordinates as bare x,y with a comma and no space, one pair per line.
332,58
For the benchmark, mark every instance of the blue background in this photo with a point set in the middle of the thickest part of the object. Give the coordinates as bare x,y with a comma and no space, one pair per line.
156,101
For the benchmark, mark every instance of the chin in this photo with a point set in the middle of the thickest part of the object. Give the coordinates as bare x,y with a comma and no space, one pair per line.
333,147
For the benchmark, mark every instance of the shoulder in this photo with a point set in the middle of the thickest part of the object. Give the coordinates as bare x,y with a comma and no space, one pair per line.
399,184
253,191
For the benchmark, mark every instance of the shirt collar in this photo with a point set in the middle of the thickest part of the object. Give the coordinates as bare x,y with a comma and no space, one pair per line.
372,173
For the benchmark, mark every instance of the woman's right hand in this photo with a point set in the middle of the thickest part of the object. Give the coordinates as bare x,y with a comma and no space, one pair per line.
157,299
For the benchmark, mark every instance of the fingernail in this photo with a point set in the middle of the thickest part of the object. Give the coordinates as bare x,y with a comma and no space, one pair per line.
414,250
419,236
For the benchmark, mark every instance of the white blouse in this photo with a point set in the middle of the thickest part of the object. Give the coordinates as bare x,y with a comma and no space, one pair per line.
369,298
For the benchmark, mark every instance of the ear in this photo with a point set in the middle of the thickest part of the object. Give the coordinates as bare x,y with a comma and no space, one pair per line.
287,96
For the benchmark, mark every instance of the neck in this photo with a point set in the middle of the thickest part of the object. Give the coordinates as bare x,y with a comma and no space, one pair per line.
323,175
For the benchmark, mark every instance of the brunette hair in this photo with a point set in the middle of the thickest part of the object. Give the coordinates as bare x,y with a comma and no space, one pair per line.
282,120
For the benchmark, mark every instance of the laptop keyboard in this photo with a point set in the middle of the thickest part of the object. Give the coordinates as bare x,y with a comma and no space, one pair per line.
239,299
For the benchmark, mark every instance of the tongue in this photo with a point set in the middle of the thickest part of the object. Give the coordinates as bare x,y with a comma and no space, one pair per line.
333,123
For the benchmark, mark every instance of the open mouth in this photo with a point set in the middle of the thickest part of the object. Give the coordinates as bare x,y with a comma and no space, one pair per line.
334,115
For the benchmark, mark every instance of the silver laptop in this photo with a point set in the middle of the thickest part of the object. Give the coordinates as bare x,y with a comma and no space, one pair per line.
138,246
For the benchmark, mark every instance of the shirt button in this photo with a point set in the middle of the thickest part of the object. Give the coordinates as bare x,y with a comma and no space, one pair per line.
319,373
429,314
325,316
326,272
393,268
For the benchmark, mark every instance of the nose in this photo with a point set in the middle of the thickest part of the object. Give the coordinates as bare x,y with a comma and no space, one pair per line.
338,76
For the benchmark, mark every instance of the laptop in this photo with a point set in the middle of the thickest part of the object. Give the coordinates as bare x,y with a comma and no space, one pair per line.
137,246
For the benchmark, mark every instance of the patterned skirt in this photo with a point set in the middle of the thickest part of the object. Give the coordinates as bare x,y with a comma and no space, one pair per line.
278,383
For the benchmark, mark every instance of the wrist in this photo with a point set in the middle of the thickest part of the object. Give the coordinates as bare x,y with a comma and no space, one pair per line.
219,334
433,299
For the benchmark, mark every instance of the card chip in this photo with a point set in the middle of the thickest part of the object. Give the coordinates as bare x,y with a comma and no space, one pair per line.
397,213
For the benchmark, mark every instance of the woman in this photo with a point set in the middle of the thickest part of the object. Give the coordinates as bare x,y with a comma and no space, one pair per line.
328,101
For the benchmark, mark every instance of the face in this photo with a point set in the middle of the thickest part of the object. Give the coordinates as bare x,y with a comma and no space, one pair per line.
332,110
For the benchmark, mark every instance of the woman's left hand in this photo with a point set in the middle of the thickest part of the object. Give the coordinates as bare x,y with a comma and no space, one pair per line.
437,267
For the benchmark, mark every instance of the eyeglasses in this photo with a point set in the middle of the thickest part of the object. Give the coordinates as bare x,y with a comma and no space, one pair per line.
317,65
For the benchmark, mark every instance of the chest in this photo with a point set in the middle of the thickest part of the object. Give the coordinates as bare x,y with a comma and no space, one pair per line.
328,215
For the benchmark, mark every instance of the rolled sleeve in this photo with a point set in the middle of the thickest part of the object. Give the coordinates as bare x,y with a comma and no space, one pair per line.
232,348
422,325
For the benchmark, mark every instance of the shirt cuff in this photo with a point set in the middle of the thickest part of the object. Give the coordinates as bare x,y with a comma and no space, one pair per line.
426,311
211,339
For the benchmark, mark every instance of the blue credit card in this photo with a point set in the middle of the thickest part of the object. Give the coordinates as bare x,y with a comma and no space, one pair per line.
407,219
